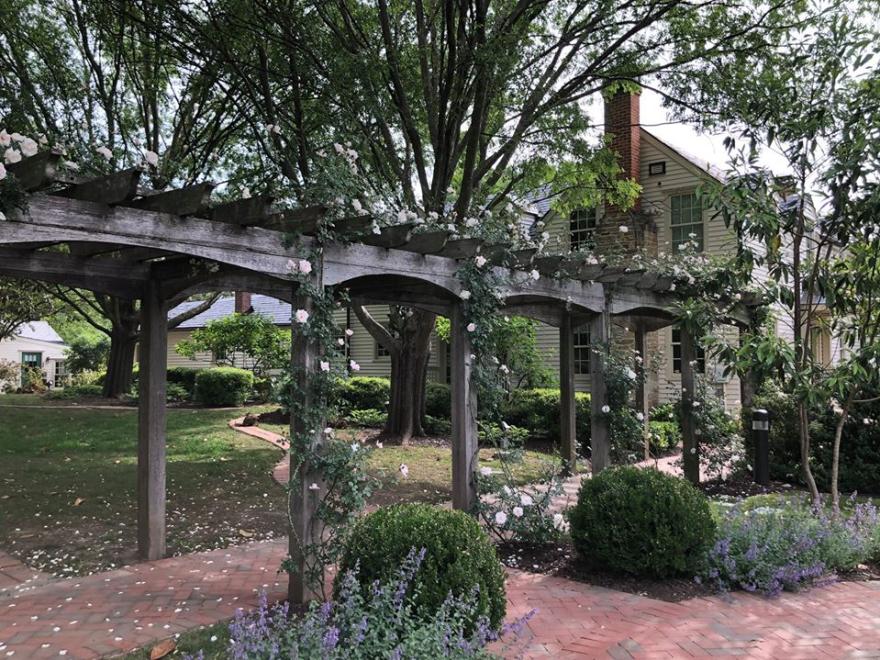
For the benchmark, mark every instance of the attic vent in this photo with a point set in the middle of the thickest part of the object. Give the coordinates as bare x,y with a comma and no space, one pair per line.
657,168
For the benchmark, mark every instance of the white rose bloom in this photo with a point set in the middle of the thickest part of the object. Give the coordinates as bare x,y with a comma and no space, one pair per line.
325,366
357,206
518,511
630,374
471,327
640,417
558,521
500,517
17,137
340,342
2,216
465,295
354,366
314,486
338,148
11,155
349,332
535,275
354,447
526,500
305,266
105,152
301,316
28,147
480,261
2,171
151,157
606,409
402,216
486,471
623,229
404,470
379,444
5,139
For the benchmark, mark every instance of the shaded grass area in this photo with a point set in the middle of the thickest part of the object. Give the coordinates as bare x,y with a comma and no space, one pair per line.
429,462
68,496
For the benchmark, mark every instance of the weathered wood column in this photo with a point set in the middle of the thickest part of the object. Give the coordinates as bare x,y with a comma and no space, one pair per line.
690,448
302,502
567,408
600,327
642,405
151,424
464,416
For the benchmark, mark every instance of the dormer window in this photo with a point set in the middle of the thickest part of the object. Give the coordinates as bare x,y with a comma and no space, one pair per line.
582,229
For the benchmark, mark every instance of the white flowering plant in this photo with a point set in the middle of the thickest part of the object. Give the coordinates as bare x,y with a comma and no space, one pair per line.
512,512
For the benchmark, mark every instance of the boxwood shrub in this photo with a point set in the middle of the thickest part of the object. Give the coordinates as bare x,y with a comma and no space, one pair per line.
223,386
363,393
438,400
459,556
642,522
538,410
185,377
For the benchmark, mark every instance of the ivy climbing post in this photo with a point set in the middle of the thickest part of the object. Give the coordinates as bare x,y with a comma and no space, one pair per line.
464,414
152,423
599,443
307,436
567,409
690,447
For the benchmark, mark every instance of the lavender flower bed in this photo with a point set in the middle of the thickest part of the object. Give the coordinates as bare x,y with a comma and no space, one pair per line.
378,624
769,550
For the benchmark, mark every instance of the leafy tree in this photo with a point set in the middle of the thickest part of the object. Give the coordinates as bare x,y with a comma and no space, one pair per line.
87,354
246,341
807,239
106,85
453,108
20,303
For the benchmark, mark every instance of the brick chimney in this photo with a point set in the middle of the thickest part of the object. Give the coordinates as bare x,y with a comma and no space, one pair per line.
242,302
622,124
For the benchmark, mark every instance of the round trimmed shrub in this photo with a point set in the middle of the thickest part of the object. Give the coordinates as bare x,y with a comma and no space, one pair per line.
438,400
642,522
364,393
459,555
223,386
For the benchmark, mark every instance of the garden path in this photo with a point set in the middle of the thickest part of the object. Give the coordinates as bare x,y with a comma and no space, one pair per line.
135,606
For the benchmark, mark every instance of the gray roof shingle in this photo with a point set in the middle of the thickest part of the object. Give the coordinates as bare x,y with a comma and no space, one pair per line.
276,310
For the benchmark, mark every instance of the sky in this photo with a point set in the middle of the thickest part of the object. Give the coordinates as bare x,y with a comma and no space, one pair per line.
656,119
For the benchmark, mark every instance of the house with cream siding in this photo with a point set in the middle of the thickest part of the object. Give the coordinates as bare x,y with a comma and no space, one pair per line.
667,214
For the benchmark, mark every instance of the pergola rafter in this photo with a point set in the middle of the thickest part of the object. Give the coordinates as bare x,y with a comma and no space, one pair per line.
109,235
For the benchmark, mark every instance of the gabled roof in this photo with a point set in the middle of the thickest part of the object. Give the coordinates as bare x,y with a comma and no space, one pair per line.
704,166
39,331
279,312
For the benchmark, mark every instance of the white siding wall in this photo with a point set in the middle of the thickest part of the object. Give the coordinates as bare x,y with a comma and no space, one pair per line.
11,350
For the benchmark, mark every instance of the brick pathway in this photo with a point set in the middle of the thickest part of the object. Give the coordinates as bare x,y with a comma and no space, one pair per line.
135,606
15,576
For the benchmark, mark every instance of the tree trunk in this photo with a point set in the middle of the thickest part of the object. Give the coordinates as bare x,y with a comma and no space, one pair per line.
835,457
804,428
120,364
410,351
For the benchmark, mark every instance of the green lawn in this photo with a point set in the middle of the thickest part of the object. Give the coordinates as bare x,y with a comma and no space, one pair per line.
430,468
68,498
68,488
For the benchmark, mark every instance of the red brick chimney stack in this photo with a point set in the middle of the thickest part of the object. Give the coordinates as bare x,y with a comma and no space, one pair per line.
242,302
622,124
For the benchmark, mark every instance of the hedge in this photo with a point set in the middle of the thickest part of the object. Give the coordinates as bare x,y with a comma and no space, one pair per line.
223,386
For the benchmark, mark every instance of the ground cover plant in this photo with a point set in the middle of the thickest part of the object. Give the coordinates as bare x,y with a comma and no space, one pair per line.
787,545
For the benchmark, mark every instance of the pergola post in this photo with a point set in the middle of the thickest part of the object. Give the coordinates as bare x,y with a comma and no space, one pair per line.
151,423
302,502
642,405
464,416
600,447
690,448
567,408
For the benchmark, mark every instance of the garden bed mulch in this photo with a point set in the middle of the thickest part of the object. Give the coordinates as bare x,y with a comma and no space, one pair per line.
741,485
559,560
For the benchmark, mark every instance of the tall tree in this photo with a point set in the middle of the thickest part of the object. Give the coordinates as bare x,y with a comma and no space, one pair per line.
107,85
814,101
20,303
455,108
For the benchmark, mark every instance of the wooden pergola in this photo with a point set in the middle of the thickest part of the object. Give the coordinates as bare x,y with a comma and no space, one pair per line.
111,235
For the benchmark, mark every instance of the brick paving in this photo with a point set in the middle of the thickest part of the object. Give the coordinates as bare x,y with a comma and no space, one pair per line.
112,612
109,613
15,576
